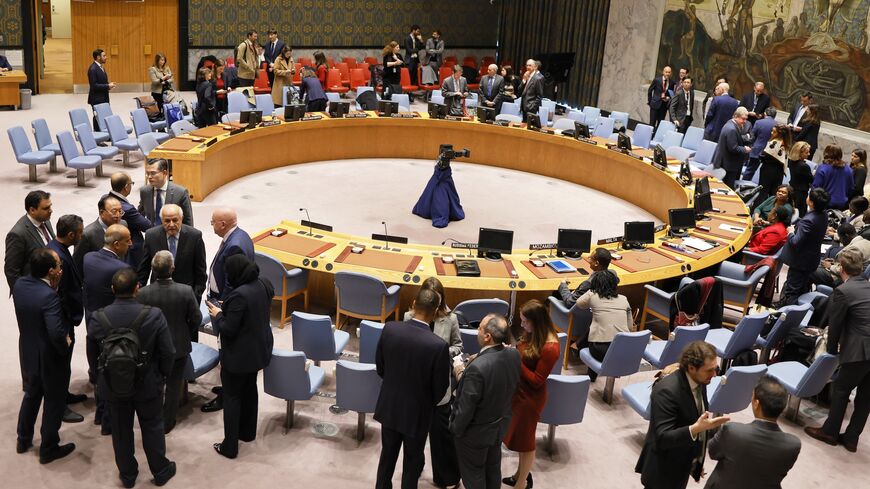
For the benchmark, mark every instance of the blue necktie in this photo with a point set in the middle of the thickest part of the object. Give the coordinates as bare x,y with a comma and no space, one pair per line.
158,205
489,89
173,245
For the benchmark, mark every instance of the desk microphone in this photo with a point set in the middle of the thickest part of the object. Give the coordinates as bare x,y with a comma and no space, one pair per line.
386,236
309,220
449,239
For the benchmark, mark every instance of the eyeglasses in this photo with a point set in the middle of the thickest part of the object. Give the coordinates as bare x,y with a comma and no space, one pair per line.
152,173
116,212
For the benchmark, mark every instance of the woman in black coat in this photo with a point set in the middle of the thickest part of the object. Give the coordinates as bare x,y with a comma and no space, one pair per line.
801,174
246,348
809,129
206,99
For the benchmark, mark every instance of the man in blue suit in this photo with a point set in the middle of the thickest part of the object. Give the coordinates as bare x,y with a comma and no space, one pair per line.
44,344
761,131
721,109
658,96
271,50
137,223
98,82
99,267
802,250
732,149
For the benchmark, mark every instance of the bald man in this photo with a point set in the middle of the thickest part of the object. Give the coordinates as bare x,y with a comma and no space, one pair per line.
491,86
137,223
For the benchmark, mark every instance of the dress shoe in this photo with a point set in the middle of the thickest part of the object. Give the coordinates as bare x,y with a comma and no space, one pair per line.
60,451
168,473
511,481
128,483
70,416
818,434
75,398
852,447
22,446
217,448
215,404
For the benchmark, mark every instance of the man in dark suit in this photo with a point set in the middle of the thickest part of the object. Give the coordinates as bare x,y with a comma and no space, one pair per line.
187,248
675,444
532,88
757,454
110,213
761,132
97,271
181,309
848,335
455,89
482,409
708,98
122,185
802,249
756,102
682,105
147,401
658,96
98,82
719,113
271,51
413,45
161,191
491,85
44,344
4,64
415,367
797,114
733,147
32,231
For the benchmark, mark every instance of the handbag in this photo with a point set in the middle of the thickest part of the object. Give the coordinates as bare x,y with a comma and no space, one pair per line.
685,319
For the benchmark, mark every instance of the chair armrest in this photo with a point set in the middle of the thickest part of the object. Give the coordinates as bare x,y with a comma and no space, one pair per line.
750,257
659,292
824,289
558,304
733,282
393,290
296,272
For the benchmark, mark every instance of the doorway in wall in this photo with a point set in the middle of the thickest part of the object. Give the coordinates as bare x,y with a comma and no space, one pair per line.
56,73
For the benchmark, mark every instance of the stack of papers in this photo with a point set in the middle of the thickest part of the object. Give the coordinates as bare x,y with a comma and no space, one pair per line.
733,229
698,244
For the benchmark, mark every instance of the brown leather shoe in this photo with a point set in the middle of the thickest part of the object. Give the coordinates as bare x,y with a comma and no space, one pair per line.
818,434
852,447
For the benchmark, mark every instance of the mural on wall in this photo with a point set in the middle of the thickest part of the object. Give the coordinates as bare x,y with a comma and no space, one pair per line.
793,46
10,23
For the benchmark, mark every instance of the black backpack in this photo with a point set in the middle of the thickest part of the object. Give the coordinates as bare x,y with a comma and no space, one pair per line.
122,357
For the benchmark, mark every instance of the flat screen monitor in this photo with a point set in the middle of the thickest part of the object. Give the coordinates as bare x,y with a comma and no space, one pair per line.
702,186
386,108
491,243
338,109
251,117
639,232
681,219
573,242
294,112
485,114
437,111
581,130
533,121
703,203
623,142
660,158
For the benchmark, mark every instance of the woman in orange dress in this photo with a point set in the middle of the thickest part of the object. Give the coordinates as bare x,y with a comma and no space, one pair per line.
539,351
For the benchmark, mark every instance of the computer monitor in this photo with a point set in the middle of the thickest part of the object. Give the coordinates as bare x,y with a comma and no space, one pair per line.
573,242
702,186
660,158
681,219
437,111
338,109
638,233
251,117
533,121
491,243
703,204
386,108
485,114
581,130
623,142
294,112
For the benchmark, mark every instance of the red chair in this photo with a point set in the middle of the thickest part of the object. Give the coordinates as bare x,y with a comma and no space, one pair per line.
450,59
405,81
470,61
357,78
487,60
484,69
366,71
231,61
443,73
371,60
333,82
351,63
428,88
330,61
305,61
261,84
345,73
297,77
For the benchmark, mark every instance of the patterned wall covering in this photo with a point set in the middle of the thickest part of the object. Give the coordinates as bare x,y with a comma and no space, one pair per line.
10,22
341,23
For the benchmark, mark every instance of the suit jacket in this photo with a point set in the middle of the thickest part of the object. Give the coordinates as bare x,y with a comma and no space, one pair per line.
668,451
175,194
137,224
533,92
455,103
244,327
98,85
415,366
497,87
757,455
412,45
760,106
849,321
4,63
680,109
70,286
247,61
721,111
236,242
21,240
190,266
810,133
271,54
761,132
802,249
180,308
99,267
655,90
482,408
793,114
93,239
42,334
730,152
154,337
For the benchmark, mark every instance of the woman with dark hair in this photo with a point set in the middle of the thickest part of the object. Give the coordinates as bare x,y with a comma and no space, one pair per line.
611,313
859,171
784,197
206,103
393,63
161,78
539,351
801,174
321,67
446,322
224,80
809,129
774,159
311,93
510,90
246,348
284,70
835,177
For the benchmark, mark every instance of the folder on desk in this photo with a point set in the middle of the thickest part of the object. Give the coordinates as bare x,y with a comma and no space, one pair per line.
467,268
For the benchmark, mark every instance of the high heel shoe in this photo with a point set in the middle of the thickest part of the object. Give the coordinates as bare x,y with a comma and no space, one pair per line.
511,481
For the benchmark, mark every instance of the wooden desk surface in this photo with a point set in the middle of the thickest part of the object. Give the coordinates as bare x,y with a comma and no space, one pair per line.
9,91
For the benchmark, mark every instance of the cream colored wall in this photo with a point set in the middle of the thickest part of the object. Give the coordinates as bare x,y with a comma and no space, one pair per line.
61,24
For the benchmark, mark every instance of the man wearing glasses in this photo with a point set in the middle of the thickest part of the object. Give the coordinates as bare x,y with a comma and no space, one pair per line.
122,185
160,191
94,234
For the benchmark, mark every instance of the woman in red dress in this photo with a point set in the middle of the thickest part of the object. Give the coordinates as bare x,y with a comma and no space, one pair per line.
539,350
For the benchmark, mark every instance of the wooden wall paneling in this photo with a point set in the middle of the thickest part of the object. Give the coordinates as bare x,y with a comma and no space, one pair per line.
160,30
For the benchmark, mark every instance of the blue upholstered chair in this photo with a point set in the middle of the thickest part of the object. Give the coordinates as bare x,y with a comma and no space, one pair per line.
620,119
470,345
402,99
750,257
45,141
566,403
141,125
801,381
182,127
476,309
622,358
334,97
694,136
592,114
671,138
704,155
287,283
575,321
314,336
120,139
510,108
738,287
791,318
365,297
237,102
80,116
369,336
437,97
662,353
657,303
638,397
729,344
563,124
679,153
147,142
603,128
664,128
25,154
231,117
508,117
577,115
733,391
156,125
563,345
89,144
264,103
73,159
472,101
357,386
642,135
286,378
104,110
200,361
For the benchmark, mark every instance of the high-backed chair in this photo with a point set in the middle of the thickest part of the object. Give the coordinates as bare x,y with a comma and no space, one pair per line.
472,101
333,97
369,336
288,283
730,344
365,297
620,119
333,82
662,353
437,97
357,386
508,117
694,136
403,100
791,318
638,397
313,335
470,345
563,124
120,139
574,322
264,103
155,125
45,141
80,116
473,310
405,81
671,138
182,127
261,83
566,403
732,392
237,102
357,78
577,115
101,111
73,159
142,126
604,128
704,155
679,153
201,360
622,358
664,128
738,287
286,378
801,381
147,142
563,345
657,303
25,154
89,145
642,135
510,108
592,115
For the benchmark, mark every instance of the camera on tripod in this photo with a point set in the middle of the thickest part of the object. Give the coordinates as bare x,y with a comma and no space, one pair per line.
447,154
